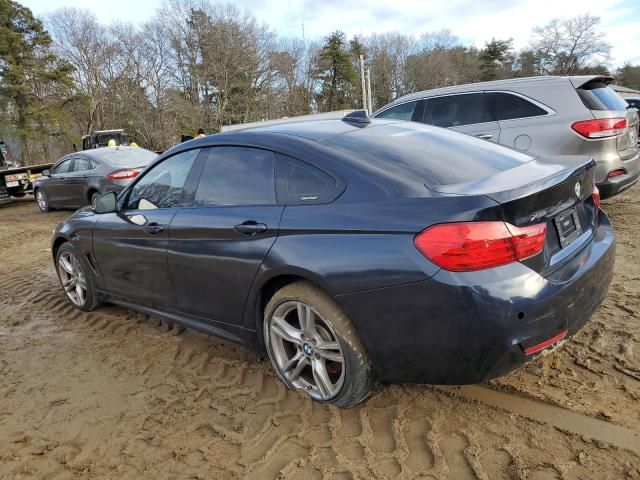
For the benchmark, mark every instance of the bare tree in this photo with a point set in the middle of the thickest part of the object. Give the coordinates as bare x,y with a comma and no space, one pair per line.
387,55
85,43
198,63
566,46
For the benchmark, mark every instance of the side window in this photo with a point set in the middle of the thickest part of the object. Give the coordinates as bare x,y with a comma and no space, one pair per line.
306,183
63,167
507,106
237,176
401,112
162,186
81,164
457,110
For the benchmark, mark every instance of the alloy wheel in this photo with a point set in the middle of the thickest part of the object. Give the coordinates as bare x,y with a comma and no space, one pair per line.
41,199
72,278
306,350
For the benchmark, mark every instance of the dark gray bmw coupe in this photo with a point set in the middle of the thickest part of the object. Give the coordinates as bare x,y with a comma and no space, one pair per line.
352,251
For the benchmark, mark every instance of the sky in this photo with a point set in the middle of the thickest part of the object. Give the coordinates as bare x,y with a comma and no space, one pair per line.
473,21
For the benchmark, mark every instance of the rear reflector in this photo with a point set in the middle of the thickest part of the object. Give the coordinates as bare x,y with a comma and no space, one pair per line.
616,173
596,196
601,127
470,246
546,343
124,174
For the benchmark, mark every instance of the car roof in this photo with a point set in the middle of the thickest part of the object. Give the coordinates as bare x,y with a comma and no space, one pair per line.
388,155
576,80
318,129
105,152
314,130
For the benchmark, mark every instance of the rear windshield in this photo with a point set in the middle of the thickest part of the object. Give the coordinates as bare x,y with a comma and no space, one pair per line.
597,96
435,156
126,157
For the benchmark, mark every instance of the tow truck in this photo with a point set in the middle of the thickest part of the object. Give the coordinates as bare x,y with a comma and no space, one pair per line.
17,181
100,138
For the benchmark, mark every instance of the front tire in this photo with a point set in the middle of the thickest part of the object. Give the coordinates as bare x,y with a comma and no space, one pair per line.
42,201
76,279
313,346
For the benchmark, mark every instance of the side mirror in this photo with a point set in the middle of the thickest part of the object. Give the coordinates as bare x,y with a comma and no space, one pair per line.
46,173
106,203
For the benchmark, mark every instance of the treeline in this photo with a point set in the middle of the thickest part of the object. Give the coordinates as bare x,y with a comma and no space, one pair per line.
201,64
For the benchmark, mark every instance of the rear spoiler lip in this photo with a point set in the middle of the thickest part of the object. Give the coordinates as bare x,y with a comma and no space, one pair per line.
574,167
581,80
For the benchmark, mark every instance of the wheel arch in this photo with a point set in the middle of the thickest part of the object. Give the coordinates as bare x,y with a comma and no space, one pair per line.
90,191
263,290
57,243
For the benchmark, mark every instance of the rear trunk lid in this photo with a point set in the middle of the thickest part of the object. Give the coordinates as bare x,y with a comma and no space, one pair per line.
555,190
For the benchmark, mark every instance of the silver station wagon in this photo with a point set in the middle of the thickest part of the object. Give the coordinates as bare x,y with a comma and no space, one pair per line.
546,115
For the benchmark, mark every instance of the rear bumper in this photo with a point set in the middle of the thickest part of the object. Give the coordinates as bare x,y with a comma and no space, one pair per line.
113,185
616,185
466,328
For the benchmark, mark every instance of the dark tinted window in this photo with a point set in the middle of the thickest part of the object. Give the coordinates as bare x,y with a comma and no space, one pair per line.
237,176
401,112
63,167
597,96
411,154
457,110
306,183
81,164
162,186
507,106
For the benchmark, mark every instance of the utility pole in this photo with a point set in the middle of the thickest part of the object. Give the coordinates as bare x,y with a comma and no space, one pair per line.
370,104
364,86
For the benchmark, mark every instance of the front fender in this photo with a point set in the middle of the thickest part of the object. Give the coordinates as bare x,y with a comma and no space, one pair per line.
77,230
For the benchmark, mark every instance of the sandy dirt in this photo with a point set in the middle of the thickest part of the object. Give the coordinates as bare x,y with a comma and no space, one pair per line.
115,394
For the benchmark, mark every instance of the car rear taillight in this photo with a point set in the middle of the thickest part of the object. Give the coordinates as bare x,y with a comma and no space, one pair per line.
616,173
469,246
596,196
601,127
124,174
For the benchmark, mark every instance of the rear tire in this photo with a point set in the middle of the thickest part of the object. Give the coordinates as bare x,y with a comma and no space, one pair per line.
42,201
93,199
320,354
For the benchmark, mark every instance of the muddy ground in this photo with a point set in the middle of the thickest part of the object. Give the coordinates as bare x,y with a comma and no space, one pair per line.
114,394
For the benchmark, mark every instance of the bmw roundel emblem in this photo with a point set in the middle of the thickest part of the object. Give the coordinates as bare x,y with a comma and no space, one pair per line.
578,190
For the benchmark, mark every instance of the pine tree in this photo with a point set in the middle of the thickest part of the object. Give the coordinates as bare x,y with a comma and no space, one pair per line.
31,76
336,73
494,55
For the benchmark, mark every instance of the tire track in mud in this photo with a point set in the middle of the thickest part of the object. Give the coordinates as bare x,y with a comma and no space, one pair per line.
597,372
563,419
127,396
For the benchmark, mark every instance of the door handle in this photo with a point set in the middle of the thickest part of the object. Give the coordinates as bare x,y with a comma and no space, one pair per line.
153,228
485,136
250,227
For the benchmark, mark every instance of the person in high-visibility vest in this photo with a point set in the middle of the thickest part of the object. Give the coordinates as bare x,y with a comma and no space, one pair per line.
111,143
200,133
